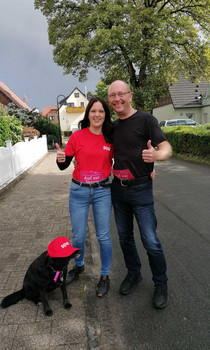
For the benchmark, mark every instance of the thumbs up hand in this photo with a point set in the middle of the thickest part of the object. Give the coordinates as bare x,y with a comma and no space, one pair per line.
61,157
149,154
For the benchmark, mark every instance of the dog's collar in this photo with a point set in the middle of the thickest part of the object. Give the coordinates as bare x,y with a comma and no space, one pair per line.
52,268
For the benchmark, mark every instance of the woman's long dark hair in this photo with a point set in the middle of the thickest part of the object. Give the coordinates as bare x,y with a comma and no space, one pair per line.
107,124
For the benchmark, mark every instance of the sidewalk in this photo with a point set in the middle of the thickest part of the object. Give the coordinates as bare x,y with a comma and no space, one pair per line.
32,213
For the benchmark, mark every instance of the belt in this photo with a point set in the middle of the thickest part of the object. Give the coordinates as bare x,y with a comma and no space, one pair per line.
93,184
131,182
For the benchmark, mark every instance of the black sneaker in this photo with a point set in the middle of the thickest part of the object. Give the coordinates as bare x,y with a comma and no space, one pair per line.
74,273
103,286
160,296
129,283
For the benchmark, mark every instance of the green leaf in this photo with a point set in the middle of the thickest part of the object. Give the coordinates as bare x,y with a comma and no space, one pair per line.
147,43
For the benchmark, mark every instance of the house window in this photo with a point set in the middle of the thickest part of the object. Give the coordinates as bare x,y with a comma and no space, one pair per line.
76,94
52,118
71,104
82,104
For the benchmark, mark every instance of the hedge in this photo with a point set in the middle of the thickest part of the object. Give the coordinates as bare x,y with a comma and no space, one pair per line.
193,141
10,129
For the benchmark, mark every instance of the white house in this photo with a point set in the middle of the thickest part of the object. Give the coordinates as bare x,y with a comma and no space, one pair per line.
185,100
72,110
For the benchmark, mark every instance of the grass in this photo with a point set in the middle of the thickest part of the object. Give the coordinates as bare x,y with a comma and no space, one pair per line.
191,158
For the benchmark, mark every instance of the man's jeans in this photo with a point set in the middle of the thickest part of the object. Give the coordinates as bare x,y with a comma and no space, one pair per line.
137,200
79,202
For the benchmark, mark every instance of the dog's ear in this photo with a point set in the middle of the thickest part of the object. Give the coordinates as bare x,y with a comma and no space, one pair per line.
76,254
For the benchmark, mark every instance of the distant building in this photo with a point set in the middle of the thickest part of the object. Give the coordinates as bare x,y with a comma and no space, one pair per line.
72,110
51,113
7,96
185,100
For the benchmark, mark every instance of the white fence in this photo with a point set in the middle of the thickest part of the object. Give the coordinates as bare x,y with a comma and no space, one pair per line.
16,159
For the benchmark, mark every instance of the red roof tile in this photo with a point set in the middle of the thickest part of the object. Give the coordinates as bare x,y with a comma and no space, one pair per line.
13,97
47,110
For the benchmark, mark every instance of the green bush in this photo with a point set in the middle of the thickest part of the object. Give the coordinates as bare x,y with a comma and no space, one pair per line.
193,141
10,129
16,130
67,133
45,127
12,120
26,116
3,110
5,132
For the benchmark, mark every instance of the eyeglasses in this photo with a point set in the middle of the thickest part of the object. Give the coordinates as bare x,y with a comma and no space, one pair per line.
120,94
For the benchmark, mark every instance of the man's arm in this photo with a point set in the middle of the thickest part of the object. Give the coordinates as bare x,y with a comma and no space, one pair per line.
162,152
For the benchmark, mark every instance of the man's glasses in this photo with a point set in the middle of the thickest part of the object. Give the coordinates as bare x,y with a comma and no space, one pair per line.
120,94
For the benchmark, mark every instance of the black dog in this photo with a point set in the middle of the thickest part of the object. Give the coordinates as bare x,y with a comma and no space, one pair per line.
45,274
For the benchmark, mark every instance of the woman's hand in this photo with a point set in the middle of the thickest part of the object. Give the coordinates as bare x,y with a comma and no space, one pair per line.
152,175
61,157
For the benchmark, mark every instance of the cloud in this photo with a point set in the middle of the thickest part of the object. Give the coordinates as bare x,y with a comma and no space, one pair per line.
26,60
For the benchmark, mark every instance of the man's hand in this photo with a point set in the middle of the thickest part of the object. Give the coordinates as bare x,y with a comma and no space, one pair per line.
161,152
149,154
61,157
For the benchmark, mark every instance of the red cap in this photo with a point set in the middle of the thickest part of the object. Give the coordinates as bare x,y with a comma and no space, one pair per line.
60,247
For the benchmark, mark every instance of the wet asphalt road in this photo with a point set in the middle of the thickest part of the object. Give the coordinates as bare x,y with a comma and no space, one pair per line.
182,203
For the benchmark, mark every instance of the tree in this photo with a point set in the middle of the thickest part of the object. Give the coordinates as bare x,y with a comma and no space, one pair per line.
149,43
27,118
36,120
45,127
102,90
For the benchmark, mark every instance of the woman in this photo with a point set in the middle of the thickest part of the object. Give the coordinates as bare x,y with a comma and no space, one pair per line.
92,148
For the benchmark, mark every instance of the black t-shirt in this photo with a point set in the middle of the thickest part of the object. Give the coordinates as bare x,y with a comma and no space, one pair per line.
130,137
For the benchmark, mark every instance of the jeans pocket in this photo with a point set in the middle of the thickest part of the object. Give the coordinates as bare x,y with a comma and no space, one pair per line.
74,187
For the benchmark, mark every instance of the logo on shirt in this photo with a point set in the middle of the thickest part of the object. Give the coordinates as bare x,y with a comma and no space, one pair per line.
106,148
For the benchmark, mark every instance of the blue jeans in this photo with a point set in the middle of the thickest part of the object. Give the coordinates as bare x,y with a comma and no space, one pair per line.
137,200
79,202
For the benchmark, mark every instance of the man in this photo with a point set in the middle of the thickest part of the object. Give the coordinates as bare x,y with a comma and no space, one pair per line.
138,142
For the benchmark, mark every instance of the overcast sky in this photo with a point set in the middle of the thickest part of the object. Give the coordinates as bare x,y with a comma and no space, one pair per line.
26,59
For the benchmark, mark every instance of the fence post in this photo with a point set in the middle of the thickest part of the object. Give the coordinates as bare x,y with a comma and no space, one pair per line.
9,147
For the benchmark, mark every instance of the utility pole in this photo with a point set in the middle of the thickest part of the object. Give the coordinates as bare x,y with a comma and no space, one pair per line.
59,117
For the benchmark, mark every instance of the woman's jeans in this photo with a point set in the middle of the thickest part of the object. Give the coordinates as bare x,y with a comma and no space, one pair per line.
79,202
137,200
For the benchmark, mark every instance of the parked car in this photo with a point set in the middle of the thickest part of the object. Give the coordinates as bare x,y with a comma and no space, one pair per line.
176,122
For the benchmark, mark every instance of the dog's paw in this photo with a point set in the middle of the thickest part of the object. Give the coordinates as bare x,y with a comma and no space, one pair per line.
67,306
48,312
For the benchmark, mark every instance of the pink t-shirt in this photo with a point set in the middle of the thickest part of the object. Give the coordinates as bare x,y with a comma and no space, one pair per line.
92,153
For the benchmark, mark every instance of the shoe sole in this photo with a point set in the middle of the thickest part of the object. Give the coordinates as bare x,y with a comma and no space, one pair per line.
161,306
102,295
